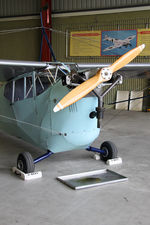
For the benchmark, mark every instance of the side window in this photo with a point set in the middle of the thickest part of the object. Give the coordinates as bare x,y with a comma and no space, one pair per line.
42,83
8,91
29,87
19,90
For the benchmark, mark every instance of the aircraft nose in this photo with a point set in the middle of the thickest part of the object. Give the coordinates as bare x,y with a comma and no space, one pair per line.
82,138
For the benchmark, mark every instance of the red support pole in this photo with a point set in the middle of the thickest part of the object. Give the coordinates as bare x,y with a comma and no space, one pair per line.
47,23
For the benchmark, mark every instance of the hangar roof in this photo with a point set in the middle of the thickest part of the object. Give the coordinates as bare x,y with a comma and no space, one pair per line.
12,8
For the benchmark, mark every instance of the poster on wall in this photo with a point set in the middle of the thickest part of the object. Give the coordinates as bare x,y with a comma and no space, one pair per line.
144,38
85,43
118,42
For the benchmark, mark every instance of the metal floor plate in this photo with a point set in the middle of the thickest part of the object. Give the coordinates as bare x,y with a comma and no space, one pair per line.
91,179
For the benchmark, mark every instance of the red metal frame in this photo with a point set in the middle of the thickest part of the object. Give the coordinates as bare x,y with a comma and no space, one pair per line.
47,22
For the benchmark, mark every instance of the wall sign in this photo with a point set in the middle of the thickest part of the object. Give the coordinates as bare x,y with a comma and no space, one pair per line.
85,43
108,43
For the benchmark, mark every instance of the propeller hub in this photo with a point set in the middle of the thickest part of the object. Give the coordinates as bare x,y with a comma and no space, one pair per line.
106,73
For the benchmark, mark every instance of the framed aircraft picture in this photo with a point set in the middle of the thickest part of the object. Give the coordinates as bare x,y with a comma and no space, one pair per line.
118,42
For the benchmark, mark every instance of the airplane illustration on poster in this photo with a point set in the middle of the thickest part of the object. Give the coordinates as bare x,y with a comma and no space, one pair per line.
118,42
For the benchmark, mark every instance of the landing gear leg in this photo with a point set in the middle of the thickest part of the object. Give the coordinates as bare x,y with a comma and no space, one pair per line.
26,164
107,150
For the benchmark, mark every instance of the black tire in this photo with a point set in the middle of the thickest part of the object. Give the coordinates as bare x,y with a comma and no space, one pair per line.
25,162
111,150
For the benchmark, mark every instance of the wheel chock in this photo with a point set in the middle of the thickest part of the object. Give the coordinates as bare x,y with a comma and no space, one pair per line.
96,156
27,176
109,162
115,161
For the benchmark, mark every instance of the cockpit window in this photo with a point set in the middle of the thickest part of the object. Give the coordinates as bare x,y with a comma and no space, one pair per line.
29,87
8,91
24,88
19,87
42,83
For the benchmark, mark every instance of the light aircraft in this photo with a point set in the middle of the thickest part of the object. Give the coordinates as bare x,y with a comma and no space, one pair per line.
118,43
55,105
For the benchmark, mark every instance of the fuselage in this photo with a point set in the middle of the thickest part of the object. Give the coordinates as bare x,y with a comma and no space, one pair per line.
33,119
119,41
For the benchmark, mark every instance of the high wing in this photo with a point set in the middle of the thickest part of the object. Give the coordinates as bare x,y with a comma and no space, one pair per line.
10,69
131,70
112,47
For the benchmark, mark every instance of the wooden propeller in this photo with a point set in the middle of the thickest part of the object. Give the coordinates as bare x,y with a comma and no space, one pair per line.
101,76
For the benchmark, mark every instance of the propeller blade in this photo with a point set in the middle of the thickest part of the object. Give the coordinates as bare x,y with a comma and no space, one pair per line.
126,58
101,76
80,91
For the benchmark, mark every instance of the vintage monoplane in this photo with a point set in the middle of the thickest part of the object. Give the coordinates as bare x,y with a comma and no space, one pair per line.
118,43
31,90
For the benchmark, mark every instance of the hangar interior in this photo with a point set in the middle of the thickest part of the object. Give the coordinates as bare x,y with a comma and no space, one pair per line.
45,200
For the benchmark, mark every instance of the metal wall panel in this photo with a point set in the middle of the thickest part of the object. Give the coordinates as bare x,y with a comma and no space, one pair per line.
76,5
12,8
20,43
32,7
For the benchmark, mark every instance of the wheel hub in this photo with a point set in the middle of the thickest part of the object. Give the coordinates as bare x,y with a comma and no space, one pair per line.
106,152
20,165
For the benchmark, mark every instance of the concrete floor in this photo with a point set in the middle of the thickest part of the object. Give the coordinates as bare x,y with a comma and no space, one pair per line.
47,201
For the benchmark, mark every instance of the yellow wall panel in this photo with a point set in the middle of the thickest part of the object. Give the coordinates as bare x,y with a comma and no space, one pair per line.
144,38
85,43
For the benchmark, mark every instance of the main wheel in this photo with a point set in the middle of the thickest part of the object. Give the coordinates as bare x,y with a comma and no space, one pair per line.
111,151
25,162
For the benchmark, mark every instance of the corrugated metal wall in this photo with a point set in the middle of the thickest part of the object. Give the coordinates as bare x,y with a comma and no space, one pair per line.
76,5
10,8
22,43
32,7
18,43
